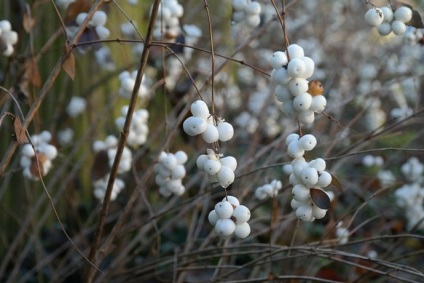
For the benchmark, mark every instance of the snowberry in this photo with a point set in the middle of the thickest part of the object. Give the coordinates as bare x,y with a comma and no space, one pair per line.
398,27
241,213
281,76
374,17
317,212
300,193
387,13
211,134
294,150
296,68
200,109
170,161
297,86
302,102
307,142
306,117
298,167
310,66
99,18
310,176
319,164
225,176
239,5
231,199
224,209
293,180
201,160
403,14
178,172
319,102
181,157
295,51
226,131
213,217
229,161
304,212
253,20
292,137
212,167
173,185
278,60
324,179
194,125
242,230
295,204
225,227
260,194
282,93
253,8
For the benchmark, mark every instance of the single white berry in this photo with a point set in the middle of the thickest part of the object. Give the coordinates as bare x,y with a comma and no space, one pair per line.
387,13
170,161
281,76
306,117
307,142
224,209
300,193
319,102
201,160
324,179
194,126
200,109
239,5
232,199
242,230
310,176
181,157
225,227
226,131
294,150
282,93
319,164
317,212
229,161
304,212
295,51
374,17
213,217
310,66
296,68
398,27
99,18
278,60
241,213
260,194
292,137
403,14
212,167
297,86
253,8
302,102
178,172
225,176
211,134
295,204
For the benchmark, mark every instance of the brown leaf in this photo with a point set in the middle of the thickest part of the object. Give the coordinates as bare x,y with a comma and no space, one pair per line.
28,23
335,182
37,168
20,135
320,198
69,66
101,166
33,73
75,8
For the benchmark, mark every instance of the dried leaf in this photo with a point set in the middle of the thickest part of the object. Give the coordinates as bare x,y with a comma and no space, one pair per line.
335,182
28,23
33,73
75,8
37,168
69,66
101,166
320,198
20,135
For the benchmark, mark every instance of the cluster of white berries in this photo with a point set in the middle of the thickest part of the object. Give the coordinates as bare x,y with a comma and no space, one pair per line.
167,23
8,38
385,177
110,145
410,197
219,169
306,175
127,80
76,106
229,217
97,22
372,160
268,190
202,122
100,187
45,153
247,11
170,171
138,128
413,35
387,21
301,99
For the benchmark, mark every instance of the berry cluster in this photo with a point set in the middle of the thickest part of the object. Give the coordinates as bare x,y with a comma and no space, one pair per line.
305,176
247,11
268,190
110,145
100,187
170,171
219,169
127,80
76,106
167,23
301,99
138,128
387,21
45,153
229,217
202,122
97,23
8,38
